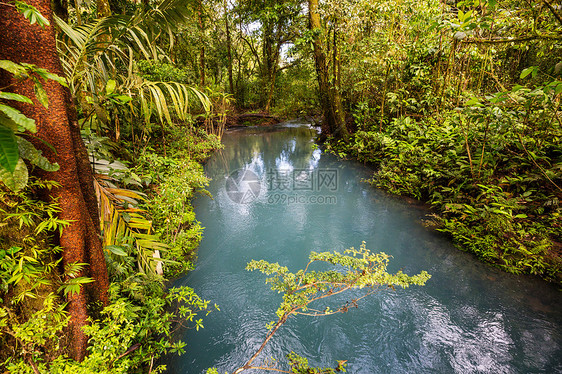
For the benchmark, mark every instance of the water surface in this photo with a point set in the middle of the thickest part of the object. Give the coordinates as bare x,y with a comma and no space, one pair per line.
277,197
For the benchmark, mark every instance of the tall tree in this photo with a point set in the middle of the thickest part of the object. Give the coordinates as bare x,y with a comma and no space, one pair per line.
274,24
330,96
58,136
228,48
202,62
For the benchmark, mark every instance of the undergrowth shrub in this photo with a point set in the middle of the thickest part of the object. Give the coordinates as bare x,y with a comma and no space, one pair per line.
177,179
137,327
492,171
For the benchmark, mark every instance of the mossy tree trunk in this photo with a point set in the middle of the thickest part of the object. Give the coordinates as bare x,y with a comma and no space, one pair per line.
330,96
58,127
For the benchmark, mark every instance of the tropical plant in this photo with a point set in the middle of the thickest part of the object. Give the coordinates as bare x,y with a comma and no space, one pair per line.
306,292
104,76
15,126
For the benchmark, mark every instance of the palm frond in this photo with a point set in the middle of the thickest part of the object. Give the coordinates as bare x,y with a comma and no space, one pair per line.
89,64
123,224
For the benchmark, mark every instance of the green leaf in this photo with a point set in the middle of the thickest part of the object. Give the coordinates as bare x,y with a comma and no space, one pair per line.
35,156
474,102
7,122
21,120
16,69
18,179
110,86
123,98
46,74
9,154
15,97
115,249
530,70
31,13
41,94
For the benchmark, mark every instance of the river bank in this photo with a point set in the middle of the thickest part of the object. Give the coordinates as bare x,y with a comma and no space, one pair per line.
493,199
468,316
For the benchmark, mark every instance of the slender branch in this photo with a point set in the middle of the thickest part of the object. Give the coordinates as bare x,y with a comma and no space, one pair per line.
553,11
309,285
511,40
284,318
304,272
537,165
252,48
343,309
128,351
268,368
33,366
279,323
336,293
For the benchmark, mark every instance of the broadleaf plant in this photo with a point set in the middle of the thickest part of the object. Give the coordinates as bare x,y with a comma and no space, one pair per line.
14,149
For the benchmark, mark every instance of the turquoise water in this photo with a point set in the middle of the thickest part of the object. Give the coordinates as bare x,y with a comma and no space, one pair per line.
276,197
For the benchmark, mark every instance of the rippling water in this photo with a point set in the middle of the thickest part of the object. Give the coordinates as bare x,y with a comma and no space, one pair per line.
277,197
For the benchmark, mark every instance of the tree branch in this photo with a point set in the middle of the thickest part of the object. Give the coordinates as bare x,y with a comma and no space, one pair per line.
268,368
252,48
511,40
553,11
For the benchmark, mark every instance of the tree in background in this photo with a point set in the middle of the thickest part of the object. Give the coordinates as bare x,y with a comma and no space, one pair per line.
328,72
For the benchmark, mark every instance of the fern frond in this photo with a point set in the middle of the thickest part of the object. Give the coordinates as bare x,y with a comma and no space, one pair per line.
127,226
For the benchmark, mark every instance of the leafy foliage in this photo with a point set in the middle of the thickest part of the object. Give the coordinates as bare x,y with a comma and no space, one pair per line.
31,313
178,179
105,76
14,149
464,114
125,229
137,327
482,170
305,291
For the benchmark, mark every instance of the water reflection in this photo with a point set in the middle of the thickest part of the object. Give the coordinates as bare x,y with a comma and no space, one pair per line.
470,318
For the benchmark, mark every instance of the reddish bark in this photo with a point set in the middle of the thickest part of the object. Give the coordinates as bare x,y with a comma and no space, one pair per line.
57,125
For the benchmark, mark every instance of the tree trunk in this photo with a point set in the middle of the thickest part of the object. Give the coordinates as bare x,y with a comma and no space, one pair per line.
58,126
270,93
330,98
202,48
202,67
228,49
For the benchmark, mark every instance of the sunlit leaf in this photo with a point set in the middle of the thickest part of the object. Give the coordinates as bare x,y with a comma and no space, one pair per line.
117,250
35,156
41,94
15,97
21,120
110,86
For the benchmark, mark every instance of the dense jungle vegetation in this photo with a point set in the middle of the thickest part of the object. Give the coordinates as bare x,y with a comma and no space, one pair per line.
108,108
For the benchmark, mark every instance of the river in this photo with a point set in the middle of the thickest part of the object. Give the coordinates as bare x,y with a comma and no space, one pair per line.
277,197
